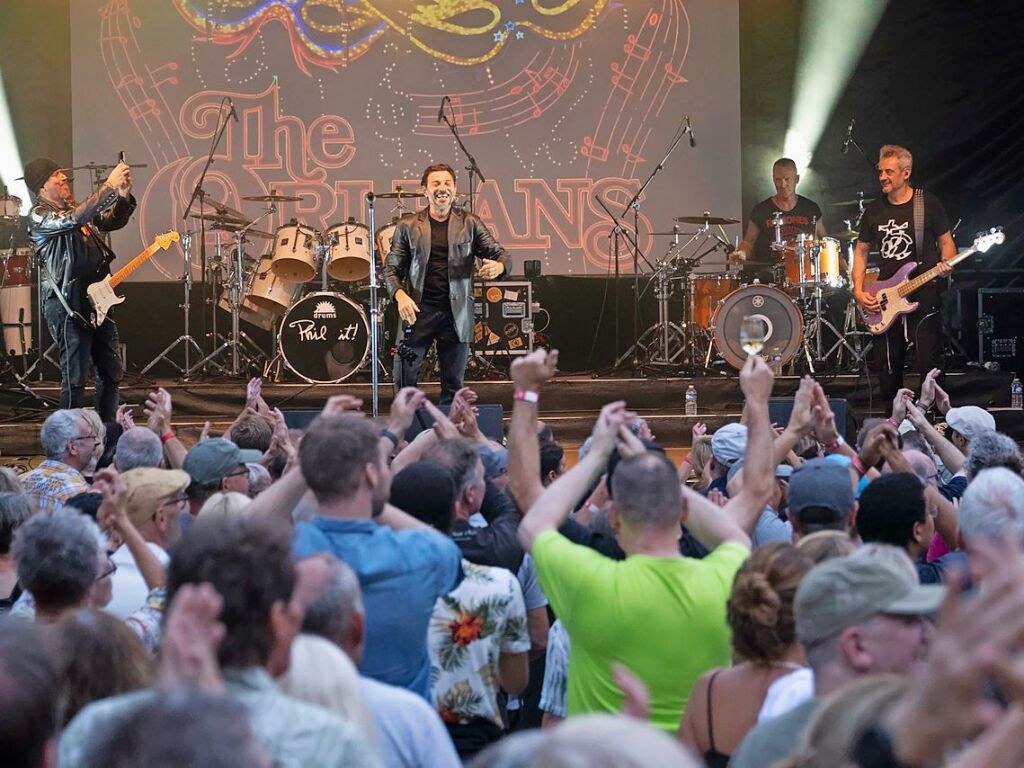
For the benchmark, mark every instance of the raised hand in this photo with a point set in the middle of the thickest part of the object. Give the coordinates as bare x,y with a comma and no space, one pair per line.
530,371
124,417
801,419
407,401
342,404
113,512
881,439
928,387
158,411
941,399
443,426
756,379
628,444
899,404
192,632
825,431
606,428
698,431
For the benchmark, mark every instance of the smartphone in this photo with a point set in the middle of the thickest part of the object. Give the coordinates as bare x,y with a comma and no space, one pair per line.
120,156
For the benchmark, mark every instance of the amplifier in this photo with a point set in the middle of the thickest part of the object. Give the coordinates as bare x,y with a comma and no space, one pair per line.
1000,333
503,317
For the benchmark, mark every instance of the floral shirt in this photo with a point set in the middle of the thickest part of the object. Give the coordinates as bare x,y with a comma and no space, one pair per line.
52,483
471,627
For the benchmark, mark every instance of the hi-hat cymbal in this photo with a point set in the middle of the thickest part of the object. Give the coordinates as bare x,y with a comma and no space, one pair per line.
854,201
846,234
398,195
674,232
273,197
705,218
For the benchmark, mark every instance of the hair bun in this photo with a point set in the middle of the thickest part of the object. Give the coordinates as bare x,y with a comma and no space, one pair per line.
754,596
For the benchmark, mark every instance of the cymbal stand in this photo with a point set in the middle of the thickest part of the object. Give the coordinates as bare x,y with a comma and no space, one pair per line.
238,337
186,337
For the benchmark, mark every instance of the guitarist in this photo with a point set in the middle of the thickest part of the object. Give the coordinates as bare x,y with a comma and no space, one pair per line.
71,256
891,225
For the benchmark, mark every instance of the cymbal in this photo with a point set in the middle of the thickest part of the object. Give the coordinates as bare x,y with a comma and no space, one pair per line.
225,211
102,166
854,201
674,232
705,218
273,197
846,234
239,221
397,195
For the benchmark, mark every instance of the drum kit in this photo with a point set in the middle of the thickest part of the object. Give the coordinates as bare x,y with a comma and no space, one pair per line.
310,289
793,309
16,284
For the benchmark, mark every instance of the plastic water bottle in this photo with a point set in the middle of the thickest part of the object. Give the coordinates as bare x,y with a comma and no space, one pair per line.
775,361
1016,390
691,401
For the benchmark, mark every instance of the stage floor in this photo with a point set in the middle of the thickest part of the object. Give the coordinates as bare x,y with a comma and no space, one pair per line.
568,403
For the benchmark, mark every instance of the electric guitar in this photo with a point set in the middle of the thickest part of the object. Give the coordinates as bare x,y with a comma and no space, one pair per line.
101,294
892,293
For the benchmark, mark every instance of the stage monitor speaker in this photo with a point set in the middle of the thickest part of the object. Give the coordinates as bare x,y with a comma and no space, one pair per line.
299,419
489,416
779,409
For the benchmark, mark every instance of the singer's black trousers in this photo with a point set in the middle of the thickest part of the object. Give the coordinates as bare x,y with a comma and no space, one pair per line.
923,327
433,324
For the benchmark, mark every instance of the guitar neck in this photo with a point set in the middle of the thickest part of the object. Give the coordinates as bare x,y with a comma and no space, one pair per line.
909,286
131,266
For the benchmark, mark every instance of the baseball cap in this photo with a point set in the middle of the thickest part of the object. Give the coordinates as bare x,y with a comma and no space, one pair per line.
146,488
729,443
212,460
821,483
495,460
970,420
845,591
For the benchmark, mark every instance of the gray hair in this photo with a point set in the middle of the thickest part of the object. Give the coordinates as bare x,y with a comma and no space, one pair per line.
330,613
992,449
58,557
59,427
611,741
15,509
138,447
902,154
9,481
992,507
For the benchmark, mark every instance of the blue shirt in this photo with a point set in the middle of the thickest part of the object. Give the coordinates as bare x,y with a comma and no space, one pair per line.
402,574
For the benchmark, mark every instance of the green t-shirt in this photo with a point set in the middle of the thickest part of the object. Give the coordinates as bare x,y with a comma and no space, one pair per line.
663,618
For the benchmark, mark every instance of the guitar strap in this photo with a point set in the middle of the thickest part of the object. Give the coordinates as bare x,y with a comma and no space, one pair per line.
919,222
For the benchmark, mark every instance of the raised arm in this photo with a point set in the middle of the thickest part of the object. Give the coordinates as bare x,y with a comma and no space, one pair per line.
528,375
113,516
554,504
951,456
158,419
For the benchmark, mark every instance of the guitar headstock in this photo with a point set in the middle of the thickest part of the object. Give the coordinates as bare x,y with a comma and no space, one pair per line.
986,240
165,240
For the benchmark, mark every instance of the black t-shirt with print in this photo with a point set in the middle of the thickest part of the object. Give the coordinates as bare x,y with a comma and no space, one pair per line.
800,220
890,229
435,280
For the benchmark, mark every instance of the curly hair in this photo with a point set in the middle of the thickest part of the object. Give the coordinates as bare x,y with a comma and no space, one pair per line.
760,608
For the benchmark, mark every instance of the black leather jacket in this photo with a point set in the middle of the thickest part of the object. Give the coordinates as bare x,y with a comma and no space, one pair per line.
66,241
468,239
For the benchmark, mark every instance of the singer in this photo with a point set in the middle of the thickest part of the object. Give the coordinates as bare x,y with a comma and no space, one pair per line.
72,256
800,215
429,272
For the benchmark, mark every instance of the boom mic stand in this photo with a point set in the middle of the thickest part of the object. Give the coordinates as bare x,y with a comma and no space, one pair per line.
473,168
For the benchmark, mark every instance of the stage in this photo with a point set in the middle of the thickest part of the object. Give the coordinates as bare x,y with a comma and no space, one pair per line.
568,403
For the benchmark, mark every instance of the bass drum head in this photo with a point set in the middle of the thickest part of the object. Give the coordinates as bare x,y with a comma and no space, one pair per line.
782,319
324,338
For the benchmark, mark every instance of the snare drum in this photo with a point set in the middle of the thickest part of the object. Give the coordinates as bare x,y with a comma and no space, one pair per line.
15,267
784,325
349,257
324,338
16,318
705,293
10,207
294,255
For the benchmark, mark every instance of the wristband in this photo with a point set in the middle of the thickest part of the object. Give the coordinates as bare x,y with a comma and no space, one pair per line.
390,436
526,395
167,437
858,465
893,421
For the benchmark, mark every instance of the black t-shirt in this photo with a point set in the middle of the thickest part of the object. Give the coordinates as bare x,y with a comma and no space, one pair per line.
800,220
435,281
890,228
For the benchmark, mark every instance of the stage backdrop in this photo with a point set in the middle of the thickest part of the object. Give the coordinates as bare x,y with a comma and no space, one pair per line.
559,100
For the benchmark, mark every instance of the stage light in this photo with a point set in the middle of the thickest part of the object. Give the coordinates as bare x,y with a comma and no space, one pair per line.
11,166
833,35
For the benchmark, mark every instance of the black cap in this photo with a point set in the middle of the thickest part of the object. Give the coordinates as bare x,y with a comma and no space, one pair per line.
37,172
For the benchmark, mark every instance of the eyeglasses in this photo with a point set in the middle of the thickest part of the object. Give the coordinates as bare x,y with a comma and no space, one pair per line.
108,573
180,499
238,473
93,437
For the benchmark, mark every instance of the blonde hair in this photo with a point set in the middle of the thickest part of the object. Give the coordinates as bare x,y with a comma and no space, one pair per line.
700,455
224,504
902,154
829,737
321,673
824,545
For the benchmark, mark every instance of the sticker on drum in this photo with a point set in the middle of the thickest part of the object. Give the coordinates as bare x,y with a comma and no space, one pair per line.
349,257
324,338
294,256
783,323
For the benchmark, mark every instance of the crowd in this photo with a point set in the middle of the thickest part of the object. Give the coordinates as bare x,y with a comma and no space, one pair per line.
345,596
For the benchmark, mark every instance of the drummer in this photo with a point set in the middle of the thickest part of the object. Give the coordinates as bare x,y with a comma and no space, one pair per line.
755,255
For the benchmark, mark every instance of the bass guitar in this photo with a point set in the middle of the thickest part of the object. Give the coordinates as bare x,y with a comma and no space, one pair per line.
101,294
892,293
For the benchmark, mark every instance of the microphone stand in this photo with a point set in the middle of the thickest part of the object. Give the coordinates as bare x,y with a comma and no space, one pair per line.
473,168
198,193
374,310
852,141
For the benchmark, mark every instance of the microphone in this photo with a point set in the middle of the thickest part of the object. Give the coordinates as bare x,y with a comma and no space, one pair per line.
849,137
231,112
440,112
689,128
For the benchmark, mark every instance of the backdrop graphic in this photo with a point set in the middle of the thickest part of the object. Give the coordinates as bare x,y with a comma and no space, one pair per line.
559,100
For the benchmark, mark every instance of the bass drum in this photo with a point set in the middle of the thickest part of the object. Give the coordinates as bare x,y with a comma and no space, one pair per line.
784,325
324,338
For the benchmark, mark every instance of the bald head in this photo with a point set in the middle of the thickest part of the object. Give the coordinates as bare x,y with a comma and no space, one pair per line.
334,603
